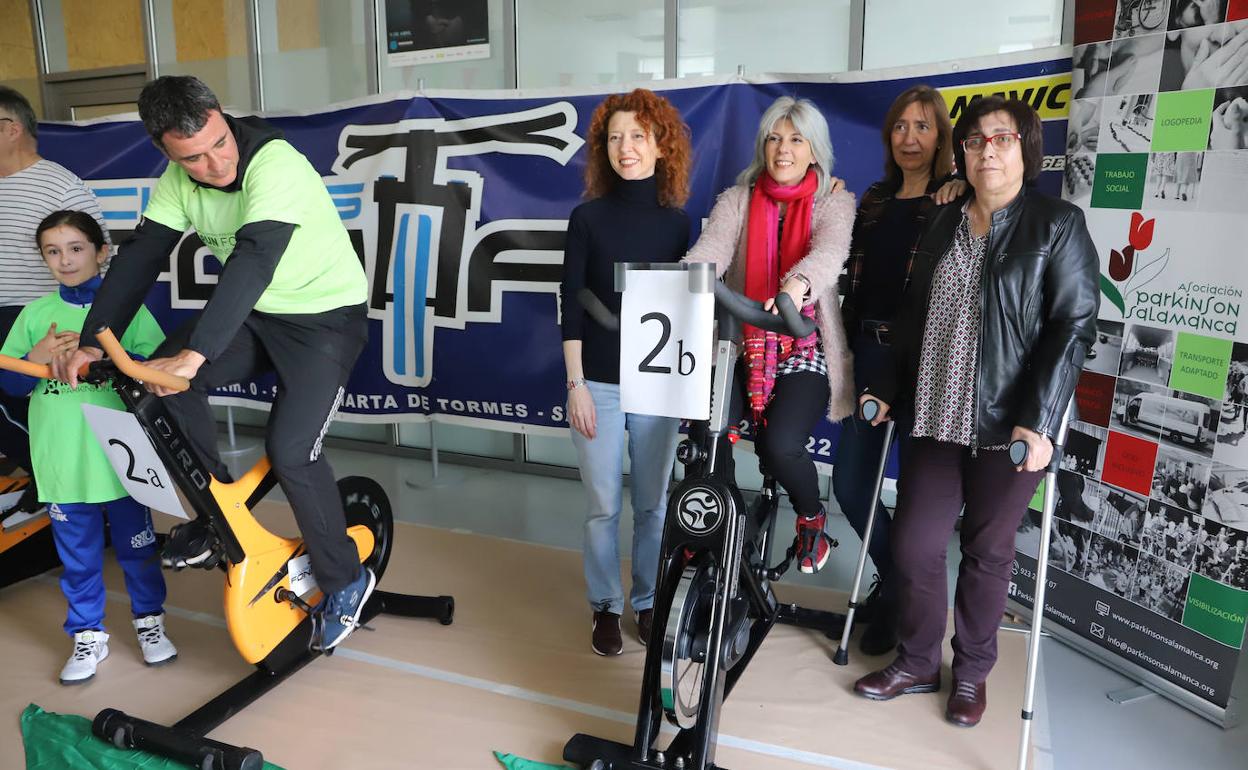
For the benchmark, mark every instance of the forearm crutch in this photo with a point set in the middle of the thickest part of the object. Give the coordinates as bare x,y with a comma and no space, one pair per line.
868,412
1018,455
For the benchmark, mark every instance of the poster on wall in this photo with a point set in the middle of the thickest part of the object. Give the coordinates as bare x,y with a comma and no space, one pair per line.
1150,542
436,31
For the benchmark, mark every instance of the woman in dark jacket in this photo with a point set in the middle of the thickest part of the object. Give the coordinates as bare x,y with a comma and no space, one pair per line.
918,158
1000,312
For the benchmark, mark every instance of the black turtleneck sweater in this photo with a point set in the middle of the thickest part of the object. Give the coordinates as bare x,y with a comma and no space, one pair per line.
625,225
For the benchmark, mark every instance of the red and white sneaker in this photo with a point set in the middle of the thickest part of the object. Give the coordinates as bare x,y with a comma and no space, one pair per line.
812,546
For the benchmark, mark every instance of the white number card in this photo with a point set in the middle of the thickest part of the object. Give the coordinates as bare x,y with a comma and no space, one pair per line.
666,342
134,458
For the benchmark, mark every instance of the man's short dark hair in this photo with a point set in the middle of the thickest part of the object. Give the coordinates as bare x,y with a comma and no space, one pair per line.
1026,120
177,103
16,105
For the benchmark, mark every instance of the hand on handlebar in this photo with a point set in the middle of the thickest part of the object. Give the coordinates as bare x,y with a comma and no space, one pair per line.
1039,448
185,363
881,416
795,288
67,365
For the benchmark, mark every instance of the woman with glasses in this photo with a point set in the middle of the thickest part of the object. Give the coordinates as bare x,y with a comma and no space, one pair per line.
993,329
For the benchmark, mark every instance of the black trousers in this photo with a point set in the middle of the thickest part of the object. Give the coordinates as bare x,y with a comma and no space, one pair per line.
14,438
798,402
312,356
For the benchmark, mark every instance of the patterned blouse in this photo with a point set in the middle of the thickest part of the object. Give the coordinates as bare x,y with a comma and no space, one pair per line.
944,402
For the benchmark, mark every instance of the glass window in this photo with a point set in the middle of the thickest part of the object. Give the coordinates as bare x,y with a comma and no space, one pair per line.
313,53
19,69
900,32
588,42
207,39
489,72
717,36
88,34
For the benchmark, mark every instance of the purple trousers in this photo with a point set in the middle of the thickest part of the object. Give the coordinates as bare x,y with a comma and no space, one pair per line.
937,479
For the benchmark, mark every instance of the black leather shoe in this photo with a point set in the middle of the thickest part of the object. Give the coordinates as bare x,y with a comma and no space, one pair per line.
966,703
891,681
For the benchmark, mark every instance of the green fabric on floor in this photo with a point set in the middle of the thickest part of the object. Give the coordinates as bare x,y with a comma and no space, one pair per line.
57,741
512,762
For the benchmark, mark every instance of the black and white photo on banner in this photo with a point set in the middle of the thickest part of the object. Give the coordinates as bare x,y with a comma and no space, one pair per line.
1106,353
1181,478
1227,499
1206,56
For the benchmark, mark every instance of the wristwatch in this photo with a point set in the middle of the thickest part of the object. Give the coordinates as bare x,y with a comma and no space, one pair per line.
574,384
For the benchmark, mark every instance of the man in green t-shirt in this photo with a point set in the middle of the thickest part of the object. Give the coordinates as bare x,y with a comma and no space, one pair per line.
290,299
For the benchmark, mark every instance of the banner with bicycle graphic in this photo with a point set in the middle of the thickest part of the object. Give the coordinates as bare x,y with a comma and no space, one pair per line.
458,206
1152,542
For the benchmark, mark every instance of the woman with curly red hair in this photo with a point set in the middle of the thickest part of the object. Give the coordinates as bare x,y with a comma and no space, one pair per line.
636,179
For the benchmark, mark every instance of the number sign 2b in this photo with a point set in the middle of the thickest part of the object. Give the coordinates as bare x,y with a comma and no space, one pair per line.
665,345
132,455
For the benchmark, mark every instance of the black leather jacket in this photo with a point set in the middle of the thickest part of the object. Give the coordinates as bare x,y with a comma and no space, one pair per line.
1038,304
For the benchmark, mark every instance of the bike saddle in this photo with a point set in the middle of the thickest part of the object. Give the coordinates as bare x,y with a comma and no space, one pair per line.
193,544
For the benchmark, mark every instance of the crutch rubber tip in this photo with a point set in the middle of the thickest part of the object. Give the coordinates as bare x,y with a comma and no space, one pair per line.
841,657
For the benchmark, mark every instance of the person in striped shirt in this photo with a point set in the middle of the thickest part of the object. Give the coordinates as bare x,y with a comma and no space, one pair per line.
31,187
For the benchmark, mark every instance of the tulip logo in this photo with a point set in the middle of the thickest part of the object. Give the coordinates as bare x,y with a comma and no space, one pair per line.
1128,267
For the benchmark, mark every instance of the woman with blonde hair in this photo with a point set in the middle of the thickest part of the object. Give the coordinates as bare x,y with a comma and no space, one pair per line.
785,228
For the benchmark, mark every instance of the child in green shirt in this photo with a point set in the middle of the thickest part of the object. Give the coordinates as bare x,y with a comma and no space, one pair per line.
75,477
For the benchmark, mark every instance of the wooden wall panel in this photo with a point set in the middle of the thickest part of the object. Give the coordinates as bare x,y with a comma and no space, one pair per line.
298,25
103,33
17,44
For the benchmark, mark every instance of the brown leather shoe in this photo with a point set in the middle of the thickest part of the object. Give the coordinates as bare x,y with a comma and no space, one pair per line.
607,639
966,703
891,681
645,619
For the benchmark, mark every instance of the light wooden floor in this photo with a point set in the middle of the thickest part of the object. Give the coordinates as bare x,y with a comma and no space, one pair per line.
514,673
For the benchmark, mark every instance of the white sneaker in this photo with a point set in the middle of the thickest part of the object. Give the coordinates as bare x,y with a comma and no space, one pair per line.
90,647
157,649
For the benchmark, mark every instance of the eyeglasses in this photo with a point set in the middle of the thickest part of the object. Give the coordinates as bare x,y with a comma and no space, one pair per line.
1000,142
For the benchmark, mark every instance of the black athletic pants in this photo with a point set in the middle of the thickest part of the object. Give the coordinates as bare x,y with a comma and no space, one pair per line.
799,401
312,356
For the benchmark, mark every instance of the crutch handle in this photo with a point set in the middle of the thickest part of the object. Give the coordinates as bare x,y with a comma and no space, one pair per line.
869,409
1018,452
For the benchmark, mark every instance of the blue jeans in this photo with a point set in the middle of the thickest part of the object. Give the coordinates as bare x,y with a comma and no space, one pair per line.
858,459
651,451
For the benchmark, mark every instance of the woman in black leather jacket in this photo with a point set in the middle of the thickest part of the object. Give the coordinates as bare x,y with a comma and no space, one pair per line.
998,317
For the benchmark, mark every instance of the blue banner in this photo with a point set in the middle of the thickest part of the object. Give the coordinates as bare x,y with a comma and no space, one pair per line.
458,208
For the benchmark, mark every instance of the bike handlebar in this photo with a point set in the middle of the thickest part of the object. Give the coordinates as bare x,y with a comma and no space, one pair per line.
790,321
131,368
120,358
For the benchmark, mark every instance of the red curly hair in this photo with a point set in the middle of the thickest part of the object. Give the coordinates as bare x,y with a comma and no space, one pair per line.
659,117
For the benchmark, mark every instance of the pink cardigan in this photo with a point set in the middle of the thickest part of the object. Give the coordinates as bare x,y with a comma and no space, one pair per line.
723,242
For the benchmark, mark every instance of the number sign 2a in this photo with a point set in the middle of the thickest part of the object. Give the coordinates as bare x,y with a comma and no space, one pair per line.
665,345
133,457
